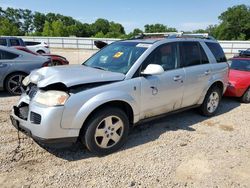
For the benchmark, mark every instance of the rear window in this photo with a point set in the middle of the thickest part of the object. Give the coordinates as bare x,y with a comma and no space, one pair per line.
217,51
3,42
14,42
4,55
31,43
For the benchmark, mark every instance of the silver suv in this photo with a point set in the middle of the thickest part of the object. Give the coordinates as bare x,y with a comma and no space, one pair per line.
123,84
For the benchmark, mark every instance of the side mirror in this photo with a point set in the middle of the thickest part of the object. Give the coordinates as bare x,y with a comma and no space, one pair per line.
153,69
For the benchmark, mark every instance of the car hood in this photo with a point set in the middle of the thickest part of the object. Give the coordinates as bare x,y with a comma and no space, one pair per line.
72,75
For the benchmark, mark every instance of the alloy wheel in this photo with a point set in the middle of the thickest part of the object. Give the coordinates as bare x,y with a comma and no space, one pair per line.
109,132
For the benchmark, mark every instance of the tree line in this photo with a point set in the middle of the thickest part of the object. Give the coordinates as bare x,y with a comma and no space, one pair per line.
233,24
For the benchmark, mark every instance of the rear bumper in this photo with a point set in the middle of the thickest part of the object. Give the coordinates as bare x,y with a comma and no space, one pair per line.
234,92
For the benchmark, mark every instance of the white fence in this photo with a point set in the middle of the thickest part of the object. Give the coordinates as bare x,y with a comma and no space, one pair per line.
229,47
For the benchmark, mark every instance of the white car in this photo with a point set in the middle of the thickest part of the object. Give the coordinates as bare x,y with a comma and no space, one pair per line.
38,47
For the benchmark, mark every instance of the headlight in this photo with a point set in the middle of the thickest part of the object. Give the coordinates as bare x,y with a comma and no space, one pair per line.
51,98
26,81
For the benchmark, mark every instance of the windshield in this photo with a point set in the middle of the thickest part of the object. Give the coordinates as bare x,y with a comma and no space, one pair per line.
117,57
240,64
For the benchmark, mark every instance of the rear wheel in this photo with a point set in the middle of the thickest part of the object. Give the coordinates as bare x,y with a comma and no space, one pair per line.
106,131
13,83
211,102
246,97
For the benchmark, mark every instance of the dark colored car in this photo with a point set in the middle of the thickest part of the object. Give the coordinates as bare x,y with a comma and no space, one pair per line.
11,41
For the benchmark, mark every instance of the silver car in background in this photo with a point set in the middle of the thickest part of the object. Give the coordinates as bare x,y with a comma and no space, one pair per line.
123,84
15,65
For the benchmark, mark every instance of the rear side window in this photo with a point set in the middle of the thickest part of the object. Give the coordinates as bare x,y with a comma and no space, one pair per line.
191,53
3,42
217,51
31,43
14,42
7,55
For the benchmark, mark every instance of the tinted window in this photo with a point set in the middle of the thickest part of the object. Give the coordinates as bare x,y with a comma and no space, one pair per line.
14,42
190,54
240,64
3,42
31,43
164,55
7,55
217,51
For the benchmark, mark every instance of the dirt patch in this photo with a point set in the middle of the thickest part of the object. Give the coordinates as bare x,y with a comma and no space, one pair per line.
226,127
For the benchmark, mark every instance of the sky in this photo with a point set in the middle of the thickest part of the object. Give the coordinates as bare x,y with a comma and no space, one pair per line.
185,15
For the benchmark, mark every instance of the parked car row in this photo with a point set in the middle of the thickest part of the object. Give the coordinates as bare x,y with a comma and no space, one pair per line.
19,58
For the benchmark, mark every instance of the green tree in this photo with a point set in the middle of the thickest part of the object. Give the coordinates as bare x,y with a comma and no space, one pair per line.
235,24
8,28
39,21
27,24
47,29
154,28
58,29
101,25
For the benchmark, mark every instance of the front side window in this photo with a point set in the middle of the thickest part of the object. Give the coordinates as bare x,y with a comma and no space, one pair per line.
240,64
117,57
217,51
164,55
14,42
190,54
4,55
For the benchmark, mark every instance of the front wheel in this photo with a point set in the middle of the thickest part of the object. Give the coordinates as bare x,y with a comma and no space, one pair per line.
246,97
106,131
211,102
13,83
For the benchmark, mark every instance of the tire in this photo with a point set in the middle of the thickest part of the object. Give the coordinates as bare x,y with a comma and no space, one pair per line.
40,52
13,83
246,97
211,102
106,131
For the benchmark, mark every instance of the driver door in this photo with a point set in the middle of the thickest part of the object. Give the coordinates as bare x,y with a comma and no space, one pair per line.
162,93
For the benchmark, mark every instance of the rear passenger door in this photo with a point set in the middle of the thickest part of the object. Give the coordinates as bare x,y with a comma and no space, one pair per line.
197,69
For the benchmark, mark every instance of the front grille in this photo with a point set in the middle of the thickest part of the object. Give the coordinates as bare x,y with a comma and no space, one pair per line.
35,118
32,92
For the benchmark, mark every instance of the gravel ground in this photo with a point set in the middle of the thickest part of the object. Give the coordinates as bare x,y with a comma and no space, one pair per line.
181,150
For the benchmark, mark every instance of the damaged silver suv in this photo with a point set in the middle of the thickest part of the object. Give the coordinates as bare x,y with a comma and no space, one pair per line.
123,84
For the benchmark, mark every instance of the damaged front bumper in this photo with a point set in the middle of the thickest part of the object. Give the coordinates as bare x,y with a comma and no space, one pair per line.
42,123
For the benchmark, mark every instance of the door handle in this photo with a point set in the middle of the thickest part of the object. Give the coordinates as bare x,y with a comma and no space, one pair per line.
177,78
207,72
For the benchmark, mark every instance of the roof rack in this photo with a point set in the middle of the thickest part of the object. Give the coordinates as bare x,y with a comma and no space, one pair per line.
174,35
